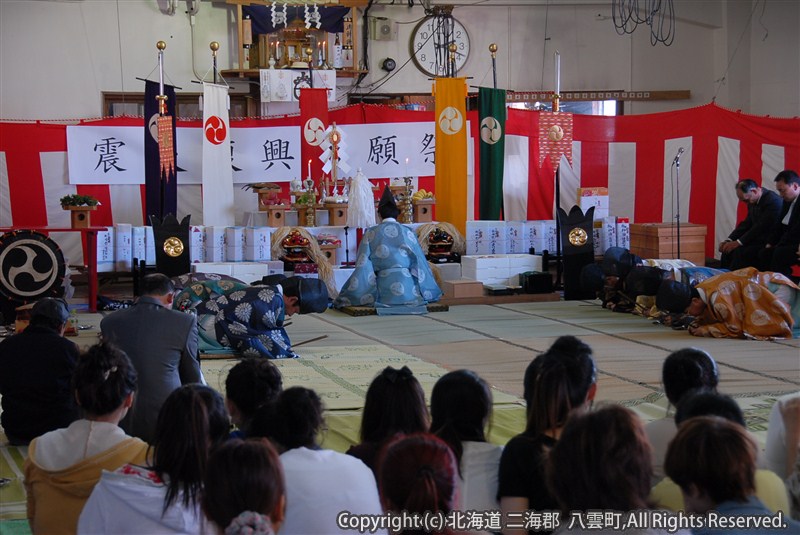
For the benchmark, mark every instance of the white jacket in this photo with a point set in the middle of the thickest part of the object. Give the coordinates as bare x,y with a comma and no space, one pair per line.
130,500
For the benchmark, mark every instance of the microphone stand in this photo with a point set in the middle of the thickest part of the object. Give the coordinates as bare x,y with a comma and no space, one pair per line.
678,208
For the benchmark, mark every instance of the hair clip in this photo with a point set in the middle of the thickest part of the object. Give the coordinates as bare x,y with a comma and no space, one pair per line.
107,373
393,374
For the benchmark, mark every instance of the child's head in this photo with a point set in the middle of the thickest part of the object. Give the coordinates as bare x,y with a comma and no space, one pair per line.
104,380
249,385
395,403
244,476
417,473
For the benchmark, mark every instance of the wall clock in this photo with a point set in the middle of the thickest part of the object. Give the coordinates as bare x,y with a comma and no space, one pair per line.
429,44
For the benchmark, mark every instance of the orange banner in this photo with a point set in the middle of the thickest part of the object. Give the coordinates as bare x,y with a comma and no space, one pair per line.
451,151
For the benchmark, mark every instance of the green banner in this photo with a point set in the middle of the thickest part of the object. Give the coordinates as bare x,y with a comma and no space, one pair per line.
492,113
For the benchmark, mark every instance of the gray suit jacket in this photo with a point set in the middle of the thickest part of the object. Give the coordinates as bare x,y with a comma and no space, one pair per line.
162,345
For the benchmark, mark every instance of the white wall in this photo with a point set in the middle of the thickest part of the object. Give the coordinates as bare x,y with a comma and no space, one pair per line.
57,56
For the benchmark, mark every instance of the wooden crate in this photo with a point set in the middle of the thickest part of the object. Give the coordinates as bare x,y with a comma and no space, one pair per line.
659,240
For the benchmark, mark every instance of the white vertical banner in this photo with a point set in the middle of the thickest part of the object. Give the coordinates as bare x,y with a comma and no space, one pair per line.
677,179
218,205
773,161
727,176
515,179
622,179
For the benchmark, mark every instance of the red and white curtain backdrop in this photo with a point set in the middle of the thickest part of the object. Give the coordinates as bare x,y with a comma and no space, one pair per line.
631,155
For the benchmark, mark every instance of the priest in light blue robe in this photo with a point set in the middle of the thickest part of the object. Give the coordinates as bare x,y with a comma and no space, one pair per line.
391,271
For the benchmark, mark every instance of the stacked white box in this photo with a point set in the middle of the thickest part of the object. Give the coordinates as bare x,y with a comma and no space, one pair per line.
597,243
274,267
215,244
220,268
234,244
150,246
139,243
105,250
123,246
257,243
608,233
249,271
597,197
449,272
550,236
197,244
533,236
486,237
488,269
515,234
520,263
623,233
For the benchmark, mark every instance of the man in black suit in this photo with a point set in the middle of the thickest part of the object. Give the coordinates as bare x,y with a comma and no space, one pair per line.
780,252
162,345
36,368
741,247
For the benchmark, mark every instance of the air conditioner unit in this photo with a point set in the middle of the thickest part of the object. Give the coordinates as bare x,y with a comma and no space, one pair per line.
382,29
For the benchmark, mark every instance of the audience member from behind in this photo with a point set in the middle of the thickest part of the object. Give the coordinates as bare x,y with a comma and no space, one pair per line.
395,403
713,460
64,465
558,383
461,405
251,383
320,483
165,496
769,487
780,449
418,475
601,462
789,412
243,493
161,343
36,368
683,371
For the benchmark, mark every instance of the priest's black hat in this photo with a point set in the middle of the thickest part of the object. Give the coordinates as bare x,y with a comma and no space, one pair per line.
312,294
387,207
673,296
592,278
643,280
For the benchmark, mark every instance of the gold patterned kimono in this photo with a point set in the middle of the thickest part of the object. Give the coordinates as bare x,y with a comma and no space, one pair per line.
740,305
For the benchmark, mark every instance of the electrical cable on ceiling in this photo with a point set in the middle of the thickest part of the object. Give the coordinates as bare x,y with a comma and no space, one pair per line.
389,76
721,80
544,45
659,15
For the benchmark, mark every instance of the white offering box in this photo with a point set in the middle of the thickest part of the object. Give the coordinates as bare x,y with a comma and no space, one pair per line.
150,246
123,252
139,243
197,244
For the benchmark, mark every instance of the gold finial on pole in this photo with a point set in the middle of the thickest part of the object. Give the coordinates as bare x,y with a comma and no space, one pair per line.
161,97
214,46
493,50
452,48
308,52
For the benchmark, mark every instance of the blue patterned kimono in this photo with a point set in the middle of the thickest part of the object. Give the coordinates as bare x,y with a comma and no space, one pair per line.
391,271
251,322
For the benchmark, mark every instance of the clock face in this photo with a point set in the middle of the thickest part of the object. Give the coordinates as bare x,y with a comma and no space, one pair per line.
430,41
